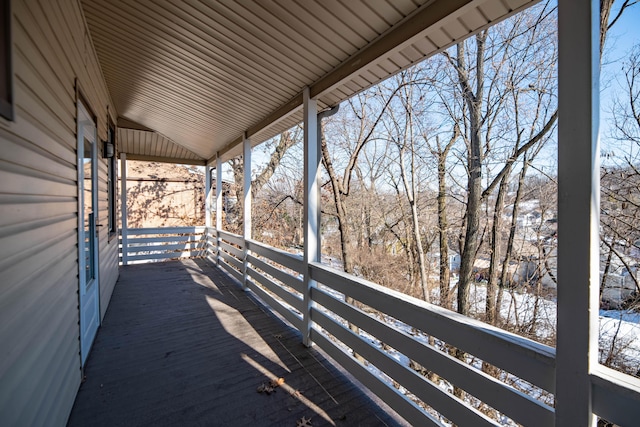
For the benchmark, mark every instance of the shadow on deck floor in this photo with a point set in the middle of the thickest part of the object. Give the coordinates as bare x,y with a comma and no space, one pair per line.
182,344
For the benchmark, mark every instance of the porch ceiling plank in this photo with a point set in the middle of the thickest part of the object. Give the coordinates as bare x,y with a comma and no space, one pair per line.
223,34
203,73
159,27
177,90
174,64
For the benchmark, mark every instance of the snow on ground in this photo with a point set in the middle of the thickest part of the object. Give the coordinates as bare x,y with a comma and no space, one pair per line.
536,317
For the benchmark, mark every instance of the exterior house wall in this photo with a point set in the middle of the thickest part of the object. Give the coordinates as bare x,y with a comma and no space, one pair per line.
40,368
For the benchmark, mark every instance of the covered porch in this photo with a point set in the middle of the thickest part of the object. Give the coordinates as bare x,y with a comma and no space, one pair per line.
541,386
200,82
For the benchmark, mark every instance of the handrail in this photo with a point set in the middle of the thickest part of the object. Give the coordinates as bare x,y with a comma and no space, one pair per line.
282,290
616,396
236,239
289,260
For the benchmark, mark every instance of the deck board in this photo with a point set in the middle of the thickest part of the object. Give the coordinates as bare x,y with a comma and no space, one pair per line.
183,344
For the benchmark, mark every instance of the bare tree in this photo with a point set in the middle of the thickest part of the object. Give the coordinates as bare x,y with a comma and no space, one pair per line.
486,115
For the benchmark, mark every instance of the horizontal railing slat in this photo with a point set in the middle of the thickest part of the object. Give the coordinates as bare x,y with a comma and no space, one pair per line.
275,305
524,358
232,271
165,230
231,238
446,404
165,248
291,299
513,403
409,410
294,262
616,396
231,260
164,255
165,239
287,279
231,249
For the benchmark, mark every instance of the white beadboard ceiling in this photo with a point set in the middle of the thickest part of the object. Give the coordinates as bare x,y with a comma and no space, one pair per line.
190,77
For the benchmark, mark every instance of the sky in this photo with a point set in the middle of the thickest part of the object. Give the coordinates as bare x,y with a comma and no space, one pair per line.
620,40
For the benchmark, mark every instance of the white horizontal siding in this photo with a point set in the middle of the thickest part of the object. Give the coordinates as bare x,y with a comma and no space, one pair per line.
39,332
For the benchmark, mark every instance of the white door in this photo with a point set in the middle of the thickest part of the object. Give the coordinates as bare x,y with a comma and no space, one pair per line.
87,241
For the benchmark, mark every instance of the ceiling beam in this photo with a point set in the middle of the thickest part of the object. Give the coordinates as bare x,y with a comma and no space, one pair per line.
159,159
130,124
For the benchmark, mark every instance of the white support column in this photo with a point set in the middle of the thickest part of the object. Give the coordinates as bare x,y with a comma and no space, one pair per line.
246,194
123,205
207,196
218,205
311,205
578,209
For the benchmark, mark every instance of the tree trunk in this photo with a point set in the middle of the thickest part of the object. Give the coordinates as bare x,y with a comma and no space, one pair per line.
491,309
443,222
341,216
409,187
474,164
512,231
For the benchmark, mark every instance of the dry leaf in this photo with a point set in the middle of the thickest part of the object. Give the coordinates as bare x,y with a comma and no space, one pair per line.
304,422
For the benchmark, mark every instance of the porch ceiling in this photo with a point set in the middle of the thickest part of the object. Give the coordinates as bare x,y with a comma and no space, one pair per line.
189,77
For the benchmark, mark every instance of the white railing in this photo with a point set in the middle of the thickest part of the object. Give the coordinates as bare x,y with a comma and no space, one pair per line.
395,329
162,244
406,327
275,276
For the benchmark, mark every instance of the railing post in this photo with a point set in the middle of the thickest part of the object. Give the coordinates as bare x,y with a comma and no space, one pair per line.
207,207
207,197
246,194
311,206
123,205
578,209
218,205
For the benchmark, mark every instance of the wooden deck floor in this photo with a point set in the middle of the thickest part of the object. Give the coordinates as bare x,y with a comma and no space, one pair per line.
182,344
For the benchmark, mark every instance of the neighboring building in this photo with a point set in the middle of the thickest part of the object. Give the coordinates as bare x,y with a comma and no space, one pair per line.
164,195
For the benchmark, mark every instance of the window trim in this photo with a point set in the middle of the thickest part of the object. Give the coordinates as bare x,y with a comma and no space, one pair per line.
6,103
